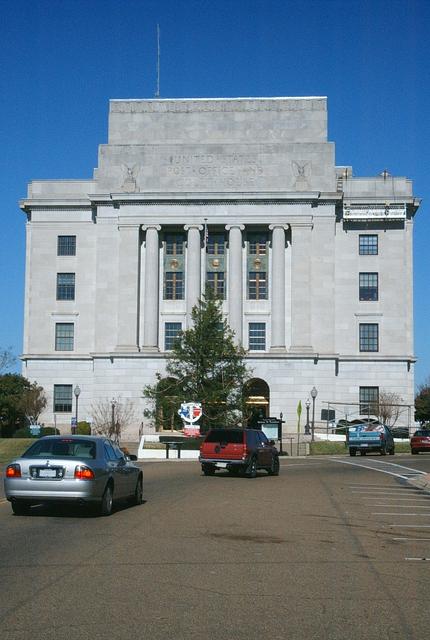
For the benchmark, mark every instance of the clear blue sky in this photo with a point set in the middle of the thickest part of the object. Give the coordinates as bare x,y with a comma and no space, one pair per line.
61,61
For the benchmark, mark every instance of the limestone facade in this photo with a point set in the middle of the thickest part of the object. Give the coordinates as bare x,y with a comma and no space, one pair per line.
315,264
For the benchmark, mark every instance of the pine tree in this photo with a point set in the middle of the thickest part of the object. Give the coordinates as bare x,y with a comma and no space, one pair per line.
205,366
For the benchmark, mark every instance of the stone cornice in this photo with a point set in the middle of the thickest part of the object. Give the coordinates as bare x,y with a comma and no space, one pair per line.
249,356
217,198
29,204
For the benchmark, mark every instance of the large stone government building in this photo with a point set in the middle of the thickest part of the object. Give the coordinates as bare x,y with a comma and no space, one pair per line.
313,264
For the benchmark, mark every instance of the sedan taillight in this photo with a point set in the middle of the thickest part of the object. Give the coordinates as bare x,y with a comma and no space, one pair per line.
84,473
13,471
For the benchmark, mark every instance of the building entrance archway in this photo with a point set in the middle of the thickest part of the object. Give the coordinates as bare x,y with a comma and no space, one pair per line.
257,401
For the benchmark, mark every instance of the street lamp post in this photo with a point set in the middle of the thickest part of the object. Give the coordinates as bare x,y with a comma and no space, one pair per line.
307,425
77,392
113,403
314,394
281,415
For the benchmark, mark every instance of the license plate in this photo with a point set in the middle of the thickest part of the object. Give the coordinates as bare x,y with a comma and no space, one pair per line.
222,465
47,473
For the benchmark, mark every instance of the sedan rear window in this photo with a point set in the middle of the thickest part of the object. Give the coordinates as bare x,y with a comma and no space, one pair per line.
225,435
422,432
62,448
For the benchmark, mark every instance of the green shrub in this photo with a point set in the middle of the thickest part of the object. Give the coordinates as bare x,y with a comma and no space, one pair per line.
83,428
23,432
49,431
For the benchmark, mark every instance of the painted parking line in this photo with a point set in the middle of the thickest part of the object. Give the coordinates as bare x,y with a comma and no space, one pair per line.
410,526
389,468
419,559
415,515
400,506
411,539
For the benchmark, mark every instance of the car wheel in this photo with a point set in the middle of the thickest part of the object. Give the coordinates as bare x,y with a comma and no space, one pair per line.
362,453
274,469
107,502
208,469
251,471
20,508
391,452
383,451
138,492
352,452
414,452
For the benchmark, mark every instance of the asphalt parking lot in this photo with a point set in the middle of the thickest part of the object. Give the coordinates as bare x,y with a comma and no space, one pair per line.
332,548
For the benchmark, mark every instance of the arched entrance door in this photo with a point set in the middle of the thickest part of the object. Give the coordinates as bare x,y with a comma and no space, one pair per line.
257,401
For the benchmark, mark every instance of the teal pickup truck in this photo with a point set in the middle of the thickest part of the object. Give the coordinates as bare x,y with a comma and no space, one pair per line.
366,437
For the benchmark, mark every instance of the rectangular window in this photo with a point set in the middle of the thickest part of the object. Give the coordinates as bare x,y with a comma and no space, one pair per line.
257,244
369,400
64,336
257,336
171,332
257,285
216,244
65,286
369,286
173,285
63,394
66,246
368,245
174,244
215,280
369,337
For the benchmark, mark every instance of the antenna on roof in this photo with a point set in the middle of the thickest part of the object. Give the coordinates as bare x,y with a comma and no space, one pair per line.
157,93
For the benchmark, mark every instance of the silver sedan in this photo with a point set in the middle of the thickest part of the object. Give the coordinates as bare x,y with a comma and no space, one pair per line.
86,470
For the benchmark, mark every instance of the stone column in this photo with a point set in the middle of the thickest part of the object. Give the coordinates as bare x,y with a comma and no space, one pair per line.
151,292
128,287
234,278
278,287
193,269
301,287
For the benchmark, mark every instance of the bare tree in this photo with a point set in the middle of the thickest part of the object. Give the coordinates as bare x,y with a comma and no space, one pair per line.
7,359
109,417
33,401
389,407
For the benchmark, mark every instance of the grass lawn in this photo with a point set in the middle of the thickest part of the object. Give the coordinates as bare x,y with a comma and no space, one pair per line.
12,447
324,447
327,447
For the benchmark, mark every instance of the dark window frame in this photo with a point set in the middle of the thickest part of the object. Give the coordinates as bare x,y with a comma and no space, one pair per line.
369,400
66,290
169,337
66,245
257,336
258,244
369,336
368,286
368,244
216,280
63,402
215,245
64,341
174,285
174,244
257,285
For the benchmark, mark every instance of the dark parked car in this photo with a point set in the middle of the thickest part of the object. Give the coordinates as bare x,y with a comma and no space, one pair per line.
420,441
83,470
238,451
